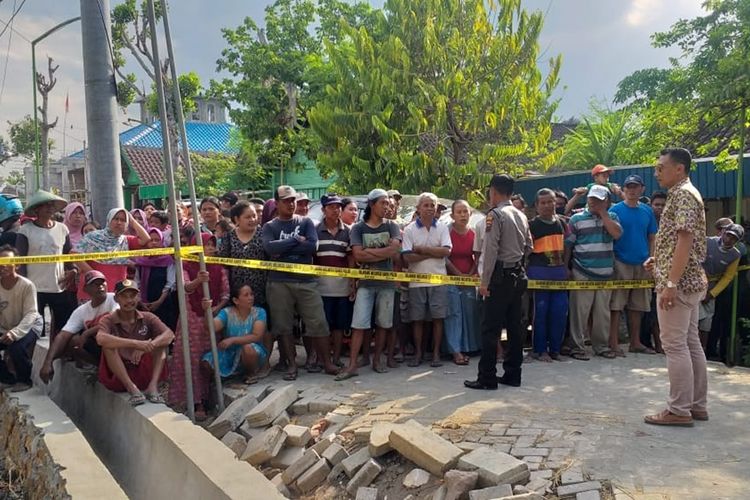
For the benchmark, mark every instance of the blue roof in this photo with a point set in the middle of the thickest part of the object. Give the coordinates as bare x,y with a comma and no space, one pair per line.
203,137
711,184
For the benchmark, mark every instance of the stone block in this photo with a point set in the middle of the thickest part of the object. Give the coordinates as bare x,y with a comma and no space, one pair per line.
336,423
353,462
459,483
271,407
234,442
232,394
322,404
522,432
424,447
231,418
525,441
295,470
335,454
262,448
337,471
313,476
539,485
544,474
416,478
468,446
499,491
297,435
529,452
380,438
572,489
588,495
287,457
523,496
571,476
282,420
494,467
322,445
300,407
364,493
362,434
250,432
440,493
276,481
366,475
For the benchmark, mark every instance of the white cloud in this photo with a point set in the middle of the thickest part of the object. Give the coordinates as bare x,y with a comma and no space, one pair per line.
642,10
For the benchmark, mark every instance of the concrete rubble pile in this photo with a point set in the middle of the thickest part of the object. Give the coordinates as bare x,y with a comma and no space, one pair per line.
300,459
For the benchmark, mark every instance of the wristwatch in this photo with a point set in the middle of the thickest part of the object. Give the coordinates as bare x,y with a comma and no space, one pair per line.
670,284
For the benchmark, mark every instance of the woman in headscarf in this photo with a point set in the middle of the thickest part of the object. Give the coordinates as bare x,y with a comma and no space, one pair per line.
199,312
269,211
112,238
157,280
75,218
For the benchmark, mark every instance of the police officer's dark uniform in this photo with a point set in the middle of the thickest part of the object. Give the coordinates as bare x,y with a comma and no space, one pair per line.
507,242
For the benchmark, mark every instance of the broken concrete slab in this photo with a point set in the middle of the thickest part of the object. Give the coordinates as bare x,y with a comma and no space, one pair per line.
423,447
322,445
380,438
297,435
588,495
353,462
287,457
335,454
494,467
231,418
250,432
336,423
572,489
365,493
276,481
295,470
366,475
313,476
539,485
416,478
362,434
322,404
262,448
234,442
459,483
571,476
499,491
282,420
524,496
545,474
271,407
336,474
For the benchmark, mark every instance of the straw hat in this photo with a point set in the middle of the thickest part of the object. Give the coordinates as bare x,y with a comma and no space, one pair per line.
41,197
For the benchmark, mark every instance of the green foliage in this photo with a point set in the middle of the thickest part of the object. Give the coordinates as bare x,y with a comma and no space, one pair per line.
216,174
438,95
22,135
190,88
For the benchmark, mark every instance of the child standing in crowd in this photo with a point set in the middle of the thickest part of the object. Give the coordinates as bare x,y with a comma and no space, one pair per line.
156,276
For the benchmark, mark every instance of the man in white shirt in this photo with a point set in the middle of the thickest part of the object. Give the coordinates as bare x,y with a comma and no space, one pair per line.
427,243
20,324
78,337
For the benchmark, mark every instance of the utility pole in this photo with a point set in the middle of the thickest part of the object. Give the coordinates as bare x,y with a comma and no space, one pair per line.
101,109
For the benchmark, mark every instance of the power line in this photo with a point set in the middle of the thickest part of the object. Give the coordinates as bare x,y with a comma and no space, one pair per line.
14,30
7,55
23,2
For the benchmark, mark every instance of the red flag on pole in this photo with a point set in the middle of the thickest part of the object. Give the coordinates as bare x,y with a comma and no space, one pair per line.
67,102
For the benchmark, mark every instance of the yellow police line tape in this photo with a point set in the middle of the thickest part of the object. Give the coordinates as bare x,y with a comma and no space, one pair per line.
98,256
188,253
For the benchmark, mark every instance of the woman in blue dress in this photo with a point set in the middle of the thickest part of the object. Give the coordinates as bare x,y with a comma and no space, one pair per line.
245,344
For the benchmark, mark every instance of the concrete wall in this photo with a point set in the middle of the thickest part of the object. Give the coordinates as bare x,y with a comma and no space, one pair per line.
152,451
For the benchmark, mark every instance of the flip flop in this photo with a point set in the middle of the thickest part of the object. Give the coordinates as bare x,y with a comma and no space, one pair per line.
461,362
250,380
379,369
136,399
607,355
435,364
619,353
155,398
642,350
290,376
580,356
414,363
344,376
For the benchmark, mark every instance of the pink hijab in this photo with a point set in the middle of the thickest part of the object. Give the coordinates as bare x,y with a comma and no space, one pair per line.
74,232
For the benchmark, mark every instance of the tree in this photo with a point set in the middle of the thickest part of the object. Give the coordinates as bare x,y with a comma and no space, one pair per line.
277,73
437,95
45,85
602,137
22,136
5,152
216,174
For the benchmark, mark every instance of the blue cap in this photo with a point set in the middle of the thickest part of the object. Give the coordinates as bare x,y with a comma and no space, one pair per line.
634,179
330,199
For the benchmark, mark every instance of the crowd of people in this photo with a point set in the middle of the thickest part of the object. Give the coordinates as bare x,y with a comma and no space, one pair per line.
120,314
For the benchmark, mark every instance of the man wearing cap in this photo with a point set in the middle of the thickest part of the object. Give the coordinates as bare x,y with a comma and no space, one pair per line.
334,250
590,246
503,281
10,214
677,265
20,324
78,337
134,347
722,261
600,174
631,251
303,205
45,236
427,244
293,239
375,242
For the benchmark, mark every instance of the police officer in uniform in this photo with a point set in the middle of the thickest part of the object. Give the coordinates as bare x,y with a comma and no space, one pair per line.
507,242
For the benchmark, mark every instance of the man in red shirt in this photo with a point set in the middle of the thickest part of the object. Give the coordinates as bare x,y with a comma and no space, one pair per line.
134,347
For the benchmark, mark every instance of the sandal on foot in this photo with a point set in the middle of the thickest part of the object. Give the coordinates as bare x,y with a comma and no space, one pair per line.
435,364
380,369
461,361
345,375
607,354
642,350
250,380
154,397
136,399
290,376
580,356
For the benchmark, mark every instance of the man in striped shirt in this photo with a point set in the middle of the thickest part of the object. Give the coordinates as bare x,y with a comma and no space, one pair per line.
591,246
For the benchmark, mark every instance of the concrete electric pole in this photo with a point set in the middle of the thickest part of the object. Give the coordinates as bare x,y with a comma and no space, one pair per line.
101,109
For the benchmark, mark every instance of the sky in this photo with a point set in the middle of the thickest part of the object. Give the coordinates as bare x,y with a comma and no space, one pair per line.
600,41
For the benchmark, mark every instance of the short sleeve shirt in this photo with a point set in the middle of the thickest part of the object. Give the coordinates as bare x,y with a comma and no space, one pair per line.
147,326
683,212
365,236
45,241
638,224
86,316
438,235
333,251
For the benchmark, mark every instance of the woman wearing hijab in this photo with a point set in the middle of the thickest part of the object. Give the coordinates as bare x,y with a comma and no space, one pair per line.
199,312
140,217
112,238
157,281
75,218
269,211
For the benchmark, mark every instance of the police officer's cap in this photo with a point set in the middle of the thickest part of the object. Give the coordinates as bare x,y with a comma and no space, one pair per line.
502,181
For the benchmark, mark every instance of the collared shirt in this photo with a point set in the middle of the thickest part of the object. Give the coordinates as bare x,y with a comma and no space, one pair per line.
334,251
437,235
507,238
592,245
683,212
146,326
